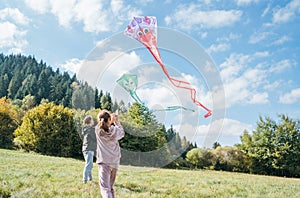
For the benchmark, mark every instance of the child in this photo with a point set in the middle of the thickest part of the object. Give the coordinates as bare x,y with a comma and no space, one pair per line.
89,146
108,151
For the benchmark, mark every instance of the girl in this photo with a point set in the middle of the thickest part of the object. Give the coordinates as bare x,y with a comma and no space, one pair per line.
89,146
108,151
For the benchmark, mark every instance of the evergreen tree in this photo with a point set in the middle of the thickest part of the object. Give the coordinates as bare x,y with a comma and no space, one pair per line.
178,142
170,134
43,86
83,97
100,96
216,145
122,106
106,102
14,85
20,76
115,106
97,99
4,83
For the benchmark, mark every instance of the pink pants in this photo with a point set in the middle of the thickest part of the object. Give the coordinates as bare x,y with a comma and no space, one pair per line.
107,177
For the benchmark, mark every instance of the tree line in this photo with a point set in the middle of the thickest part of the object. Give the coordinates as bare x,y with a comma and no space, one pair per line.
273,148
56,130
21,76
42,110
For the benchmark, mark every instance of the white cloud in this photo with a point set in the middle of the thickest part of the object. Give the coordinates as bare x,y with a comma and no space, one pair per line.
40,6
107,68
209,67
168,20
272,86
64,11
291,97
188,130
281,40
191,16
203,35
231,67
228,38
285,14
214,131
73,65
259,98
15,15
193,80
258,37
231,127
12,38
242,83
261,54
158,96
96,16
266,11
116,6
156,89
144,2
281,66
93,16
12,35
218,48
245,2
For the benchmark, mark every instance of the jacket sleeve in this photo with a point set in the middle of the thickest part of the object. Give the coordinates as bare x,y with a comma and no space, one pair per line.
119,131
82,134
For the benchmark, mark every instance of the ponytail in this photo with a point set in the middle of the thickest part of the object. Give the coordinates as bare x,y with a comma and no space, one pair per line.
103,118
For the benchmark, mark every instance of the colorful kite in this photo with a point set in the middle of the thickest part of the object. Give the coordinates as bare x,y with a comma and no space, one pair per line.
144,29
130,82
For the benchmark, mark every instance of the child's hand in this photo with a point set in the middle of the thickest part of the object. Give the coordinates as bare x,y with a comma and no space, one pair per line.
114,117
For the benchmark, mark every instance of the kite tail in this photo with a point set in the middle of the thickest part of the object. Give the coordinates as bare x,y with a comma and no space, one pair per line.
180,83
136,98
172,108
186,85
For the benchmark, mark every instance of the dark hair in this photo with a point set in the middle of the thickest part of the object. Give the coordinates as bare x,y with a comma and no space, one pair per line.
87,120
103,118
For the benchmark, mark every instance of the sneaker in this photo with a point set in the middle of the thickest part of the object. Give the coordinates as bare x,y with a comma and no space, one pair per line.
84,181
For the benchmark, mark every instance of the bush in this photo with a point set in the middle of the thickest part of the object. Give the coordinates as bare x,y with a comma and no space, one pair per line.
49,129
8,124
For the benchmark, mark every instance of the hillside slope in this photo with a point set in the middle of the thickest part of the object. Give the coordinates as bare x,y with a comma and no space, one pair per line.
33,175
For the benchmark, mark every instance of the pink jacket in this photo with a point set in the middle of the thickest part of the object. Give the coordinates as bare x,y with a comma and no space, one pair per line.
108,148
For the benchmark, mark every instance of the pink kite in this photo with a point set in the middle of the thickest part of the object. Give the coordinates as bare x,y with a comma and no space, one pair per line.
144,29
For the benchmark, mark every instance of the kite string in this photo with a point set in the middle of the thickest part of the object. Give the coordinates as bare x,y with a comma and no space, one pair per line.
179,85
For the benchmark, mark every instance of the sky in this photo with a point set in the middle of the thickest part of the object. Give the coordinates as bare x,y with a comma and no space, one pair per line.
252,46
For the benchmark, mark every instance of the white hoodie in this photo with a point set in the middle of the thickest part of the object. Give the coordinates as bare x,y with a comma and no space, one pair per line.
108,148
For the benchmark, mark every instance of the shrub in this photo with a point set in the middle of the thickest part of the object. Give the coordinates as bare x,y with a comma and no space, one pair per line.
49,129
8,117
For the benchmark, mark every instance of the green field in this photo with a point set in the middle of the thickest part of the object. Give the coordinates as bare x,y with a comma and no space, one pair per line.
33,175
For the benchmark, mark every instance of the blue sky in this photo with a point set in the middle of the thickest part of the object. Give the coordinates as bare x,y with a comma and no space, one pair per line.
255,46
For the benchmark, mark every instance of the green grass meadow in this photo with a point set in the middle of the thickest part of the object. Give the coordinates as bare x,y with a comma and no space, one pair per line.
32,175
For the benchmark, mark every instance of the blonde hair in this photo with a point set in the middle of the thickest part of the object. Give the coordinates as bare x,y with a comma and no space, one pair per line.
103,118
87,120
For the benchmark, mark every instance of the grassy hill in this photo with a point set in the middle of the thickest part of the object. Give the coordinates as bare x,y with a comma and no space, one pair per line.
33,175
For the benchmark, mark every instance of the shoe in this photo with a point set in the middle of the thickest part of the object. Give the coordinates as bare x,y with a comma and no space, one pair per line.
84,181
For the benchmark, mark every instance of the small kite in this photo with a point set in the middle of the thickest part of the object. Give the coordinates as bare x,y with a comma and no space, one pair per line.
144,29
130,82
